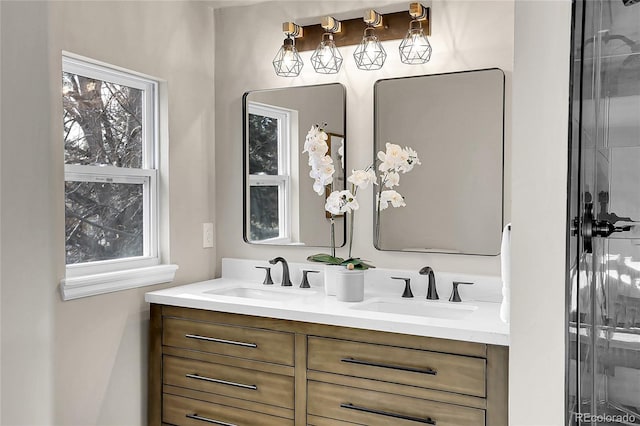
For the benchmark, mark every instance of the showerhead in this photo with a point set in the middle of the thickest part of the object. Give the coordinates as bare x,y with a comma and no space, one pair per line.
630,2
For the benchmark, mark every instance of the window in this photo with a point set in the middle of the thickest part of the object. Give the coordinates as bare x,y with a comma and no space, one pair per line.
111,174
270,194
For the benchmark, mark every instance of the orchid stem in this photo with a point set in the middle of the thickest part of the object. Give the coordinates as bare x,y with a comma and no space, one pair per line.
351,232
354,191
377,231
333,236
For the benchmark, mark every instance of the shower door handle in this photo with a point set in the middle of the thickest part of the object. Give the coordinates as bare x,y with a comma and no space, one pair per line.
591,228
603,228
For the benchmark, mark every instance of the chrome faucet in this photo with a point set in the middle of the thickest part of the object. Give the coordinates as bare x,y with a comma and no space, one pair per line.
286,280
432,292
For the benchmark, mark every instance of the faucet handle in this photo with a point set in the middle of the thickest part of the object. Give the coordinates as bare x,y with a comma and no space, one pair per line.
407,286
455,296
267,277
305,280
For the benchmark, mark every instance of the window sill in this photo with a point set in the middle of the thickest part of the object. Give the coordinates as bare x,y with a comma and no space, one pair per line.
90,285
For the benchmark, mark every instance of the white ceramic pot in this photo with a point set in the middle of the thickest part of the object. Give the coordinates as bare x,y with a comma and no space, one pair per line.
330,277
350,285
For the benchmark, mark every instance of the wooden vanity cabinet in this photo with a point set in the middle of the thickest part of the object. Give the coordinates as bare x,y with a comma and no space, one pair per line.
209,367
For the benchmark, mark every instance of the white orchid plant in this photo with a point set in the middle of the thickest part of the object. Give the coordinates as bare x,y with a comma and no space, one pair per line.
393,161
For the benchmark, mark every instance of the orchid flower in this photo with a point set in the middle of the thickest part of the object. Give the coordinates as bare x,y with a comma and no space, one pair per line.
362,178
339,202
390,197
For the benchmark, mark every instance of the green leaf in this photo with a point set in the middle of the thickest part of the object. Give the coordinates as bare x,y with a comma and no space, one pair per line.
325,258
357,263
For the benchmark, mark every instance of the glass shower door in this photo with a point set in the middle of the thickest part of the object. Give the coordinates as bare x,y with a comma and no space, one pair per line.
603,282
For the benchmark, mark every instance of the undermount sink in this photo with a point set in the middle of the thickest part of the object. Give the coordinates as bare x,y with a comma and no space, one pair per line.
421,308
266,293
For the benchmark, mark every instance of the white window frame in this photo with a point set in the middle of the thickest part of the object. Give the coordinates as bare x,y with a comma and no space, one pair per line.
90,278
283,179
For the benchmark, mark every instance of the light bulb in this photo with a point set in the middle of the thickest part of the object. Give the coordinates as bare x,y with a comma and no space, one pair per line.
325,55
419,40
288,58
372,47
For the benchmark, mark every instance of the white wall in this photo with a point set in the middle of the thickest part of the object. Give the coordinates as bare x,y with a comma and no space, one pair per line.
540,132
83,362
466,35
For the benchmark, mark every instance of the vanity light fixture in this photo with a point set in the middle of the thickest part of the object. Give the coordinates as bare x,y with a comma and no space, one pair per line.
370,55
326,59
287,62
415,47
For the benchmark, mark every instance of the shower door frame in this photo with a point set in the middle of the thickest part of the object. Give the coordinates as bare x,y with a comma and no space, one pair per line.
578,200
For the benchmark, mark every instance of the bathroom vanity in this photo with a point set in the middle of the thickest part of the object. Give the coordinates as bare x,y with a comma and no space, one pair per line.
221,353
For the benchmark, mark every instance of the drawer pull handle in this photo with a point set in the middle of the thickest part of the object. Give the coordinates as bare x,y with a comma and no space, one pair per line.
222,382
427,421
208,420
393,367
226,342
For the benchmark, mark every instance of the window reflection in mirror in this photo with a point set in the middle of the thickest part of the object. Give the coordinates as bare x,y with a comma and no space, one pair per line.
280,206
454,200
269,172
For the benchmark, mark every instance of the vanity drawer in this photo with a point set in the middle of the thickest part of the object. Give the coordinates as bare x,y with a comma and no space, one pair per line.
181,411
433,370
381,409
231,340
252,385
325,421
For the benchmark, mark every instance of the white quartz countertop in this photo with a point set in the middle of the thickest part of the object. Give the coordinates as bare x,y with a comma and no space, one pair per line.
480,323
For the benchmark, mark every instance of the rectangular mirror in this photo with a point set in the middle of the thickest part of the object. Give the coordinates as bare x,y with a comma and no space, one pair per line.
280,206
454,199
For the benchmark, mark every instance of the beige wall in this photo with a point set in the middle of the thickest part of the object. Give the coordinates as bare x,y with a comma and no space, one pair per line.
29,273
83,362
540,131
461,40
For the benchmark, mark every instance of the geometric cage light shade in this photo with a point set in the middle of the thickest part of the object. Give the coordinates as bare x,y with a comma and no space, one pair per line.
369,55
287,62
326,59
415,47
